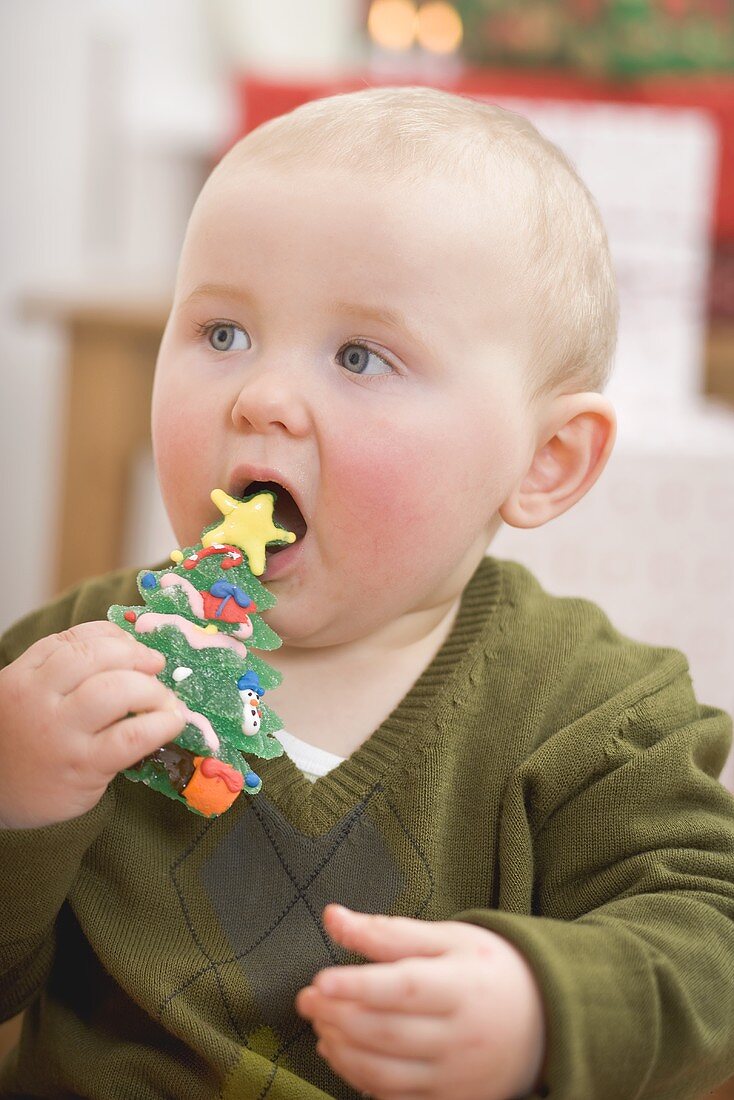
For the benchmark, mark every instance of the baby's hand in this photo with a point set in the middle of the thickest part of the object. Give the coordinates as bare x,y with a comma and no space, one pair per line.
447,1010
64,725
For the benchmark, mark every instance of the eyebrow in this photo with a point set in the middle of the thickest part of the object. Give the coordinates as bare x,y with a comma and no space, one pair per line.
392,318
219,290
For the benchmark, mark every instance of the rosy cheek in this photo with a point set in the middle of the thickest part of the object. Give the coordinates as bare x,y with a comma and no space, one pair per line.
182,434
382,497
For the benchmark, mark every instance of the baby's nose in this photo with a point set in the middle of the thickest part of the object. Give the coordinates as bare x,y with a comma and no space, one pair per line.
271,401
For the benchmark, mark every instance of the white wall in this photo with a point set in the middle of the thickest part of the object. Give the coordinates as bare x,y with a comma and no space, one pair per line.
110,114
109,117
42,134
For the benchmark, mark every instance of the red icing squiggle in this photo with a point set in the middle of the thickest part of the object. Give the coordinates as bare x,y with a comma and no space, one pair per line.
217,769
233,555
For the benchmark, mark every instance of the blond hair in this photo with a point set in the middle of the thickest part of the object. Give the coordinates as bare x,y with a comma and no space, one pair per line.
409,132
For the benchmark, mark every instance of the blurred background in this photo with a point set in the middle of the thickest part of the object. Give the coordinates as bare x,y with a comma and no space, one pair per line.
114,112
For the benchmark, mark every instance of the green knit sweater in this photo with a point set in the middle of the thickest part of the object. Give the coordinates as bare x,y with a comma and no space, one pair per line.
545,777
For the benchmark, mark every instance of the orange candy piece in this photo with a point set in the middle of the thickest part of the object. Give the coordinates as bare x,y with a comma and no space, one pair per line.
213,787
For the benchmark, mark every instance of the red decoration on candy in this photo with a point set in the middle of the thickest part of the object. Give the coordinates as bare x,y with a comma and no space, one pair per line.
217,769
224,610
130,616
213,787
234,556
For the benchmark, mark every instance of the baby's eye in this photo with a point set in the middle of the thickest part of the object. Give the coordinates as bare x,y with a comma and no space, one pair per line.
223,338
360,360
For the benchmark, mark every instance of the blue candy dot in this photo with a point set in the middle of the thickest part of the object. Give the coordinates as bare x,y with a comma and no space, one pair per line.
148,580
252,780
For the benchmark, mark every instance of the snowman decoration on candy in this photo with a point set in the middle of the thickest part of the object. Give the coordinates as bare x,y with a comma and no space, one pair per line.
251,693
204,614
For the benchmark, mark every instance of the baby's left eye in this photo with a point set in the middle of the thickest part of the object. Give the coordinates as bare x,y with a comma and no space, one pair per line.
223,337
361,360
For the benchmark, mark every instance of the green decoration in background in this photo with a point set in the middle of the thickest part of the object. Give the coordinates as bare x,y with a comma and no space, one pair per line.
203,615
617,38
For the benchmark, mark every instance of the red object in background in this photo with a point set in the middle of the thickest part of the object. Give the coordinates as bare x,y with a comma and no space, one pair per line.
261,98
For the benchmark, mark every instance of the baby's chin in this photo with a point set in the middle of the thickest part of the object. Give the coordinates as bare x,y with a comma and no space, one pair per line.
298,628
293,629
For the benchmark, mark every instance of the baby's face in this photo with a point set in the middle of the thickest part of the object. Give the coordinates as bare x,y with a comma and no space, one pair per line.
359,345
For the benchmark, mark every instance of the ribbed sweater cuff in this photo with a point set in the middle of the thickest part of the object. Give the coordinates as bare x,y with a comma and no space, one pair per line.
38,868
593,1042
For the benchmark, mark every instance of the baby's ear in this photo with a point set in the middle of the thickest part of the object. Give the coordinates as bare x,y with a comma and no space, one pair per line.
577,433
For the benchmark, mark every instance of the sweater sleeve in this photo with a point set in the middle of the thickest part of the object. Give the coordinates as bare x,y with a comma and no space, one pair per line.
629,920
38,867
37,870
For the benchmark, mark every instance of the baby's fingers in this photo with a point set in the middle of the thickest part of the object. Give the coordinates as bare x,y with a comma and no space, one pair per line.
107,697
424,986
379,1075
393,1033
82,634
128,741
384,939
70,665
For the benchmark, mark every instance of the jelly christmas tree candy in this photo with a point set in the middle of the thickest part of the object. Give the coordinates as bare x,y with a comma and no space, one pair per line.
204,615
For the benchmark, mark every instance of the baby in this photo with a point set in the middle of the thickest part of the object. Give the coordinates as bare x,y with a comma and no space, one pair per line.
397,308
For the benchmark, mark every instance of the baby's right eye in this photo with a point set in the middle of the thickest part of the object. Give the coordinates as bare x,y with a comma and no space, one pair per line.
222,337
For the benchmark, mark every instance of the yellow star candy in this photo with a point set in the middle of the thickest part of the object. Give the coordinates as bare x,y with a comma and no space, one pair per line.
247,524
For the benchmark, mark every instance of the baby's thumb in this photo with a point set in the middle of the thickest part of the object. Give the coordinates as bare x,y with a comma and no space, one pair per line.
126,742
384,939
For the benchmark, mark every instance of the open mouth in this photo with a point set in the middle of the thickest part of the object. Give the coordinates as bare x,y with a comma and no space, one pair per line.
286,512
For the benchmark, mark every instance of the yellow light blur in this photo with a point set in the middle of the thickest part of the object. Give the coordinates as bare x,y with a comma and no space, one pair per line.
440,29
392,23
